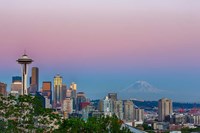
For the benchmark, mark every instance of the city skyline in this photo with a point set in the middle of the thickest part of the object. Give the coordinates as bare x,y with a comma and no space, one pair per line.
106,50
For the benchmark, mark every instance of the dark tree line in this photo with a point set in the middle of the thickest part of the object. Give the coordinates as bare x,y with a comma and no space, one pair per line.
25,114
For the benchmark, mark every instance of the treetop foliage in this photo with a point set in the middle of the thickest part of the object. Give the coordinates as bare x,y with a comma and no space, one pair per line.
25,114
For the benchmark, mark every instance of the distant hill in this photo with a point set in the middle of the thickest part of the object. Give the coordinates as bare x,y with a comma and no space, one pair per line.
176,105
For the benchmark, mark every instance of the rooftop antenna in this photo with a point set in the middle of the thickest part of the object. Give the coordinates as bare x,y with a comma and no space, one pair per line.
24,51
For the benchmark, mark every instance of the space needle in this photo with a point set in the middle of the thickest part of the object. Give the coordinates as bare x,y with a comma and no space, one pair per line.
24,61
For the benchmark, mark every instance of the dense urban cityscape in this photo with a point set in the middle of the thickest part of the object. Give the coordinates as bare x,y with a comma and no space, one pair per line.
104,66
69,102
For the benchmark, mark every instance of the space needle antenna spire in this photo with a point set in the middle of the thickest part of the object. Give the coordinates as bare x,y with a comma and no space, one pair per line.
24,61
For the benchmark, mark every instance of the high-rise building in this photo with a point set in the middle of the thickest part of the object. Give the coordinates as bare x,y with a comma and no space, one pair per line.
106,106
16,79
57,91
3,89
112,96
24,61
47,90
46,86
87,110
118,109
139,114
80,98
35,76
69,93
164,108
67,105
16,87
84,104
47,103
73,88
34,81
64,90
128,111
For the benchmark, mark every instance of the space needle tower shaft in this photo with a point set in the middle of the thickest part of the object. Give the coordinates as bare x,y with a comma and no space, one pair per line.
24,61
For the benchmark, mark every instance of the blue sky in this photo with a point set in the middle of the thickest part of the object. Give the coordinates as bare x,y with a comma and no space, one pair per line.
106,46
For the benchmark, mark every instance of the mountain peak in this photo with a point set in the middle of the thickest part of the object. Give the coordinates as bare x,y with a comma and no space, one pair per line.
142,86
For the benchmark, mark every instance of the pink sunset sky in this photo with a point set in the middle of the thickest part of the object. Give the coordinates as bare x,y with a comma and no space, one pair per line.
105,35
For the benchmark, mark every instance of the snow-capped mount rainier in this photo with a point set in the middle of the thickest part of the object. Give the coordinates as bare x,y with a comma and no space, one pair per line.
142,90
142,86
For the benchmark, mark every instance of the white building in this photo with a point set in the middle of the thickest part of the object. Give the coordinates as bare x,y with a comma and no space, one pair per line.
16,86
139,114
128,111
118,109
67,105
106,106
194,119
47,103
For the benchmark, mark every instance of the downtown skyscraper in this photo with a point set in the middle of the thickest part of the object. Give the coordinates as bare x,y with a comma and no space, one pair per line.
58,91
73,90
16,86
3,87
128,110
34,80
164,108
47,90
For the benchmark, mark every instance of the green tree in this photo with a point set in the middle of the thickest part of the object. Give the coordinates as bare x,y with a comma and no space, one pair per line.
189,130
93,125
25,114
147,127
